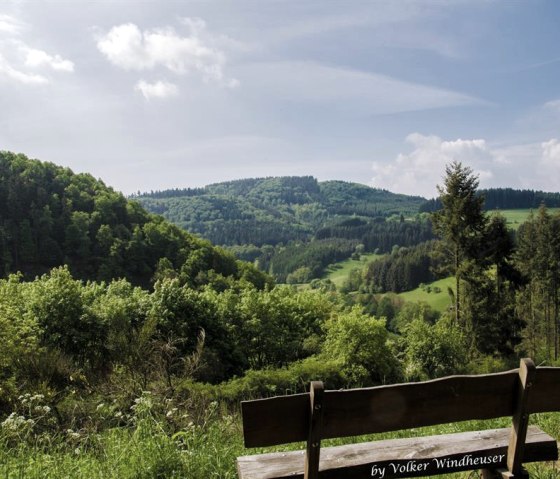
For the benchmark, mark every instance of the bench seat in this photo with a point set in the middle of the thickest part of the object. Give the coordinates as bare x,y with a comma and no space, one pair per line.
395,458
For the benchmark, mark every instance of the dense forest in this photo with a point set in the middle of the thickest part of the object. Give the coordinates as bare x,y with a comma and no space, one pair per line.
263,198
130,342
268,211
293,228
403,270
288,223
50,217
505,199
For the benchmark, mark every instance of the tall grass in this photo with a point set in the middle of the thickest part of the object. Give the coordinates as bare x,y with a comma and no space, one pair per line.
145,449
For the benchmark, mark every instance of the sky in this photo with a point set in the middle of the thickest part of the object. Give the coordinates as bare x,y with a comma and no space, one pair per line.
150,95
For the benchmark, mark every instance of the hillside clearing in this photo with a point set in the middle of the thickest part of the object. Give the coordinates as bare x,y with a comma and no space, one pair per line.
515,218
434,294
338,272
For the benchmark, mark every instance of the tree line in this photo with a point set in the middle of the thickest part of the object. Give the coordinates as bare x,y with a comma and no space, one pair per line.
405,269
379,233
505,199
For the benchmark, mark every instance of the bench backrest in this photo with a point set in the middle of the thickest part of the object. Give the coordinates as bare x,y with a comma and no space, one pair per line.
329,414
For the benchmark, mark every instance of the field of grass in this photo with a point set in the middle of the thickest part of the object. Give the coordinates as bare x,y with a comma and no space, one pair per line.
338,272
515,218
201,452
435,294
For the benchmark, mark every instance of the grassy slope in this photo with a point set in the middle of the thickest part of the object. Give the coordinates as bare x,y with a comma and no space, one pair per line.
438,301
515,218
338,272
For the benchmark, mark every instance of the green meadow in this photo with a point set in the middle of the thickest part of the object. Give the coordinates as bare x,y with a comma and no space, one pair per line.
338,272
435,294
515,218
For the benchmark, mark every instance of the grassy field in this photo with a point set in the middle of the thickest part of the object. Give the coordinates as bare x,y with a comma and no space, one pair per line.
200,452
515,218
435,294
338,272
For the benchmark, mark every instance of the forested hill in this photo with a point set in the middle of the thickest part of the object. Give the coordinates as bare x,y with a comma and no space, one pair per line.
273,210
506,199
50,216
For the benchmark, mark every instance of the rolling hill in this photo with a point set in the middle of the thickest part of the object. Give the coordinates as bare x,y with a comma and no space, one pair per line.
273,210
50,216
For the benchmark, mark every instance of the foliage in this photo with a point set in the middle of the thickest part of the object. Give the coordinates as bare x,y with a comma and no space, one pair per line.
360,344
433,351
379,234
410,312
94,369
404,270
263,211
460,223
314,256
50,216
538,259
479,252
60,333
284,224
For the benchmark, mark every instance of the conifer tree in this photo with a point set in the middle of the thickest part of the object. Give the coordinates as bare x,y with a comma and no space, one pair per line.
460,223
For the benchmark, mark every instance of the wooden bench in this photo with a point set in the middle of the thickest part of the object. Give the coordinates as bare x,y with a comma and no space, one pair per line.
323,414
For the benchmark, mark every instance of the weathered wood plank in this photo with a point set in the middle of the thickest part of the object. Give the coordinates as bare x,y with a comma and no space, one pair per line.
277,420
280,420
398,458
352,412
545,396
405,406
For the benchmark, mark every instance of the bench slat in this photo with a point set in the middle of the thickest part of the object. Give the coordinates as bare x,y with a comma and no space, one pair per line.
403,457
406,406
277,420
280,420
545,396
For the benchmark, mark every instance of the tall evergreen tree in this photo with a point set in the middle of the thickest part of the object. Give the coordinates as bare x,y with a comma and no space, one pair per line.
460,223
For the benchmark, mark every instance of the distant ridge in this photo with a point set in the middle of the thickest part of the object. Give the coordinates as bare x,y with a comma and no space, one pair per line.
273,210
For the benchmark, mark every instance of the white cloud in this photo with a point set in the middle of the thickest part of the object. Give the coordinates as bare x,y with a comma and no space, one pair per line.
38,58
159,89
527,166
418,172
129,48
19,62
12,73
124,47
9,24
551,154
